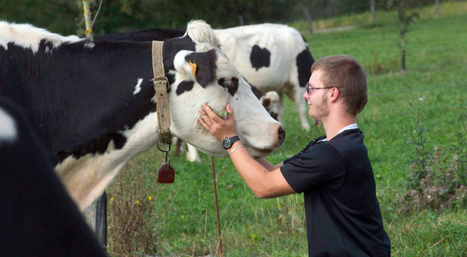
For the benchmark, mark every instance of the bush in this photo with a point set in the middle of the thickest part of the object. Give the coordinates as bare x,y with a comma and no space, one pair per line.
131,202
437,181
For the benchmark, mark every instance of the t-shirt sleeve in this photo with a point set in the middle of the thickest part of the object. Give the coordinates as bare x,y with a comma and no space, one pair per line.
314,167
295,157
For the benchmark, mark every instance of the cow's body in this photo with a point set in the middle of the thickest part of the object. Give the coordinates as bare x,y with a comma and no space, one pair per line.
95,106
37,217
271,57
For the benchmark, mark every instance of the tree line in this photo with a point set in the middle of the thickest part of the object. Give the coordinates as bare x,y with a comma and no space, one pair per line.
66,16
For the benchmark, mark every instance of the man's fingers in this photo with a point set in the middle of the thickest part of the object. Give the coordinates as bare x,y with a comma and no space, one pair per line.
203,123
228,109
211,114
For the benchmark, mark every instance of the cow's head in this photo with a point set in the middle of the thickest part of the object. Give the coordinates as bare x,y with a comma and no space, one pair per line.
215,81
272,104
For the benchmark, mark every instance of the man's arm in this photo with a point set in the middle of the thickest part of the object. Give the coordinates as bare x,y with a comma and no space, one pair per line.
263,178
263,182
269,166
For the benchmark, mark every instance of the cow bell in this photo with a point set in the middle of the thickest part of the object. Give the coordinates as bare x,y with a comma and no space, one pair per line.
166,174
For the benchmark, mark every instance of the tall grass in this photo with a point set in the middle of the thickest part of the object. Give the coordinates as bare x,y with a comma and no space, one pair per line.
435,81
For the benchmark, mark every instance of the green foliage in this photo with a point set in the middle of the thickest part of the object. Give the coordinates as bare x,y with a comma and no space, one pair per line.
437,181
417,140
66,16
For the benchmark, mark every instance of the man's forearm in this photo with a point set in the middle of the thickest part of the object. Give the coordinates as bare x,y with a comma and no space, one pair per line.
269,166
263,182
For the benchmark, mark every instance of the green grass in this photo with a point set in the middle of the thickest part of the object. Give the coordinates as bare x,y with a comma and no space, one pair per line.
437,65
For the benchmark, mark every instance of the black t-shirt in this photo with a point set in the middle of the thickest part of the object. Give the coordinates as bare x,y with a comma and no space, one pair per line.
343,217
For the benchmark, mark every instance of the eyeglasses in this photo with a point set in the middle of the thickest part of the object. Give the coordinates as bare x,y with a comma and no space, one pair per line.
308,88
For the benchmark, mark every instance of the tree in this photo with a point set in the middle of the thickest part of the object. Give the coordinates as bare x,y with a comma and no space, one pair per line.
306,12
437,7
373,11
240,10
405,19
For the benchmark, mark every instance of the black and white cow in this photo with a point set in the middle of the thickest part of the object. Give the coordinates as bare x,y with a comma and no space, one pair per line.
37,217
271,57
94,106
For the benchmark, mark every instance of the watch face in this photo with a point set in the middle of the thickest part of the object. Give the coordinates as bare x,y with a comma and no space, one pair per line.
226,144
229,141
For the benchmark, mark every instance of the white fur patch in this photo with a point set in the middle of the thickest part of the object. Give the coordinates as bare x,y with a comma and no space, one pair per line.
7,127
138,86
202,34
28,36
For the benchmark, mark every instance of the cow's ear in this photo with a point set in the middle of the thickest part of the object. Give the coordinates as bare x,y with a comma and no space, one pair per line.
203,66
265,102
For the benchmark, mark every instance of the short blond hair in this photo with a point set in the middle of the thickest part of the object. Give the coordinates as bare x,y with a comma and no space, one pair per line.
345,73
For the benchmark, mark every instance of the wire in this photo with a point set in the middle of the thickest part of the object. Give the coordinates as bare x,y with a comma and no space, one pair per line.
97,13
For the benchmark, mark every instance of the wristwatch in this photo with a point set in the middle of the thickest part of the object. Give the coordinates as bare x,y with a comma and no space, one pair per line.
229,141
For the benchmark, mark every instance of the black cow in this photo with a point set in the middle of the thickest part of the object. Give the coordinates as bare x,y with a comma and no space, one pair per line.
94,105
37,216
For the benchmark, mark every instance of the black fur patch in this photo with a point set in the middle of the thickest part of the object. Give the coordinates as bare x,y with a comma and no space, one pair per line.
231,84
184,86
206,66
96,146
142,35
170,78
273,115
172,47
256,91
266,102
260,57
304,62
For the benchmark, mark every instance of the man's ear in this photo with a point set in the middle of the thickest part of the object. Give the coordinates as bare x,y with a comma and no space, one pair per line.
203,66
334,94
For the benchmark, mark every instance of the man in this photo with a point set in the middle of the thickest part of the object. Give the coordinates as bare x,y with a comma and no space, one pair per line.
333,171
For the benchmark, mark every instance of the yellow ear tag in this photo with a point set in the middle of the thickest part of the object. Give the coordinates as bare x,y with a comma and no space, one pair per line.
193,68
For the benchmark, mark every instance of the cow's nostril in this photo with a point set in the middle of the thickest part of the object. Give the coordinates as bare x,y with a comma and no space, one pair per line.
281,135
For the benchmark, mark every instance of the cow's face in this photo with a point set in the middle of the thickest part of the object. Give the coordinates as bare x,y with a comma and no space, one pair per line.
259,132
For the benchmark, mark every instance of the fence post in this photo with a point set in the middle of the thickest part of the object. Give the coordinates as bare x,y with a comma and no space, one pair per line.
101,219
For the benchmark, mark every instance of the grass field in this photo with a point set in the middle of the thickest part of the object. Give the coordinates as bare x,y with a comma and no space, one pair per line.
180,219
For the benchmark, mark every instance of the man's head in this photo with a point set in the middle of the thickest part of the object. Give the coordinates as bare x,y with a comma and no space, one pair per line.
346,74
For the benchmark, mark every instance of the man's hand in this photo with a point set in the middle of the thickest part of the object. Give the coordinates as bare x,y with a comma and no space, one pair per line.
216,126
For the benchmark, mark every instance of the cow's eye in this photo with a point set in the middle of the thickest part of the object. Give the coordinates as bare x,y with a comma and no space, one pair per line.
229,83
